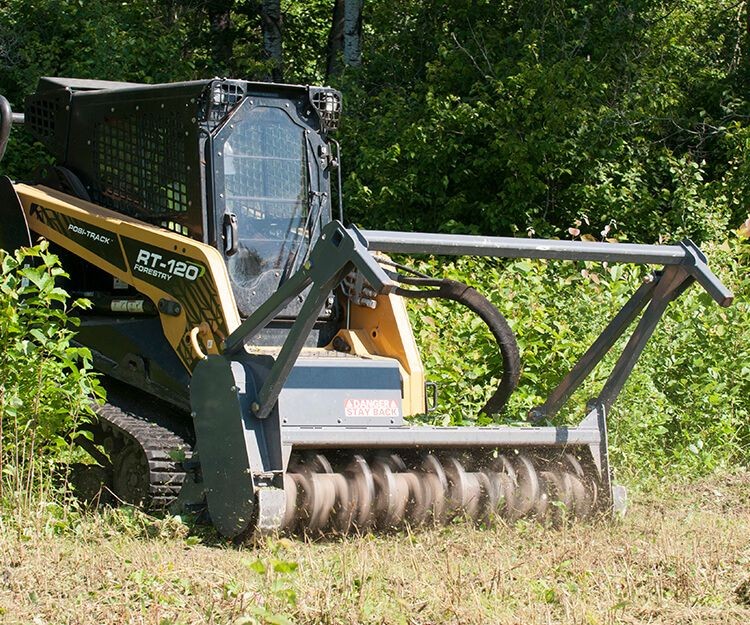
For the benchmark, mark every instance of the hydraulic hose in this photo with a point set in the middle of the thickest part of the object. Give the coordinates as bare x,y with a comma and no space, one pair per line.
479,304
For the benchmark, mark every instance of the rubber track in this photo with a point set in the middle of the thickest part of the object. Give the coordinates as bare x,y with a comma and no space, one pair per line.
157,443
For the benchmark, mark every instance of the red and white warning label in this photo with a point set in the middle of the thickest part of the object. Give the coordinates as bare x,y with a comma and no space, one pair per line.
371,408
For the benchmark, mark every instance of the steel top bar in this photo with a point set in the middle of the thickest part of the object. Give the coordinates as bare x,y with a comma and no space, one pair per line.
685,253
511,247
437,437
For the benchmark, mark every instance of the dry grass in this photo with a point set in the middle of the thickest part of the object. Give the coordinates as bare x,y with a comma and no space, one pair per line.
678,557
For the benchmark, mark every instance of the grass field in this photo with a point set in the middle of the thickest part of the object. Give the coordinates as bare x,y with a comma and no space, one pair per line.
681,555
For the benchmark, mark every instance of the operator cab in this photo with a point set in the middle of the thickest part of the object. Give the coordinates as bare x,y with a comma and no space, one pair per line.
242,166
270,166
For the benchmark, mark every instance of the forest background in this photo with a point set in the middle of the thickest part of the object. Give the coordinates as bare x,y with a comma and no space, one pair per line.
625,121
586,120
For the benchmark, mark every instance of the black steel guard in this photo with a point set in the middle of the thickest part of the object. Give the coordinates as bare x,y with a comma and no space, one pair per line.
684,264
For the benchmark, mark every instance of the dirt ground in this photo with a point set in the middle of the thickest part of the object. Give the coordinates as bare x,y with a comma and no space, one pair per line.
681,555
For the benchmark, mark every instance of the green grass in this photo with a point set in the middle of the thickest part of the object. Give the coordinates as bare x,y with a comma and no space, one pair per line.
681,555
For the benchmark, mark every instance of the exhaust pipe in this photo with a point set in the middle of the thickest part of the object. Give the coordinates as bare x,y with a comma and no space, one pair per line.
7,119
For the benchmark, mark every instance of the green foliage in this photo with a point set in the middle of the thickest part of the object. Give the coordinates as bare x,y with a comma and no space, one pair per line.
685,408
306,27
47,382
498,118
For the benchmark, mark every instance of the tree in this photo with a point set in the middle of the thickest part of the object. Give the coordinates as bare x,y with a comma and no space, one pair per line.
221,33
353,32
344,37
271,18
335,40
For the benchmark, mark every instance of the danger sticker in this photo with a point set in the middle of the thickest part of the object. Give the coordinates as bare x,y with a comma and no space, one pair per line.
371,408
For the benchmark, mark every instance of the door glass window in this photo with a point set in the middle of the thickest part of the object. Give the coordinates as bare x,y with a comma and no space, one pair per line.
266,187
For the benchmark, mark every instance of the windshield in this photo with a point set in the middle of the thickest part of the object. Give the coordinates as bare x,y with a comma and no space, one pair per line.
266,186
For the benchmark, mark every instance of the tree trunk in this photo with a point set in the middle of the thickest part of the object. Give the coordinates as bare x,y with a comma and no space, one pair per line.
271,22
169,10
222,35
353,32
335,40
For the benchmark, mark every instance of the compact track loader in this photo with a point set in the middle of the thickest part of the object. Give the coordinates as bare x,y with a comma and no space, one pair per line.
257,352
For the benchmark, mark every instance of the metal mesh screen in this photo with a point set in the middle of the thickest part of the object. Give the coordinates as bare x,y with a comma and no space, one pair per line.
140,164
263,156
40,117
264,161
218,100
328,105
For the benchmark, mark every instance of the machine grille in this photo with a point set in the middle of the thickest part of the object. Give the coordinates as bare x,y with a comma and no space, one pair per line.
220,98
40,117
328,104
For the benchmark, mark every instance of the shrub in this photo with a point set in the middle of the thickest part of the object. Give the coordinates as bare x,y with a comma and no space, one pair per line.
684,409
47,381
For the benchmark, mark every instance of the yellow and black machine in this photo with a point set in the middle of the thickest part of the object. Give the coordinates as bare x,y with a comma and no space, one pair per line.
238,322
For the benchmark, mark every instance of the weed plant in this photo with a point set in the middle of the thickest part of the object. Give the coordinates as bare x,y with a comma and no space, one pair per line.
47,381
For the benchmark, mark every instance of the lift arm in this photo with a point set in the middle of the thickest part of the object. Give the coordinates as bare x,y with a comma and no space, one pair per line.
336,253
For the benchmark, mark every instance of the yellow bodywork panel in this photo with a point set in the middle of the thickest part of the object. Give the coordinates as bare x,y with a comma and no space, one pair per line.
386,331
187,280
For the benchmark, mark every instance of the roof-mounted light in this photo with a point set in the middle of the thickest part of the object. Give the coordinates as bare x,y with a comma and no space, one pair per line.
328,104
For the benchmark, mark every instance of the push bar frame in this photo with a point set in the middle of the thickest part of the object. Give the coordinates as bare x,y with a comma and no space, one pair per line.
340,249
684,264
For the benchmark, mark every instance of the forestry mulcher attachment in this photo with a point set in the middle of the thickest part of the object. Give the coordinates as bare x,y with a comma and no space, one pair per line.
257,352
